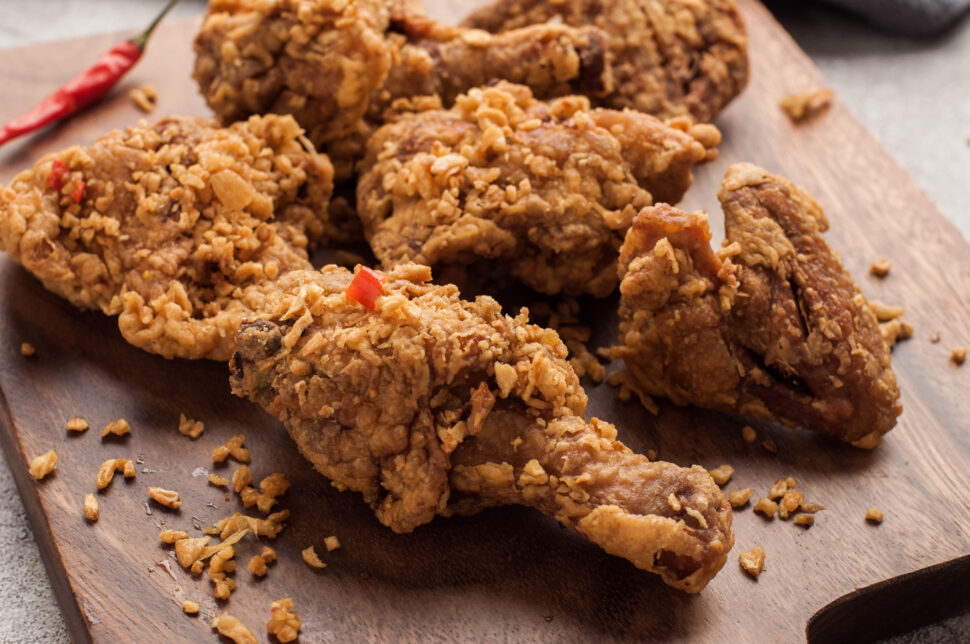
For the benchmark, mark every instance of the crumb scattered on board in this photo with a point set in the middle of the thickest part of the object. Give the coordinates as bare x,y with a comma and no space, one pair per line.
189,427
739,498
107,471
285,622
935,337
332,543
753,561
234,448
190,607
118,427
91,508
748,434
27,349
895,330
958,356
880,267
77,424
802,106
168,498
43,465
770,447
231,627
144,97
873,515
310,557
722,474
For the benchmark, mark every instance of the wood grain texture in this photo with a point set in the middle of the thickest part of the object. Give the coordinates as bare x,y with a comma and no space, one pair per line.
508,574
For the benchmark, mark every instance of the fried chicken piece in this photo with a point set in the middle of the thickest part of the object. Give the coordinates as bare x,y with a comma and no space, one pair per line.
431,405
180,228
339,65
503,185
771,326
669,58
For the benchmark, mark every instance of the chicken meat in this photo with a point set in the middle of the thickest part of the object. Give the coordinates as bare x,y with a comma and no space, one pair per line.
180,229
432,405
770,326
506,186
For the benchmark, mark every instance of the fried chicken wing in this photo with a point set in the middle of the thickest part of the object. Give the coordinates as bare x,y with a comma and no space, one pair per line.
668,58
432,405
180,229
771,326
339,65
506,185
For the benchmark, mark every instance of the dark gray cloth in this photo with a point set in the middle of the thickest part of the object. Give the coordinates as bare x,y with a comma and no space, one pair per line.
912,17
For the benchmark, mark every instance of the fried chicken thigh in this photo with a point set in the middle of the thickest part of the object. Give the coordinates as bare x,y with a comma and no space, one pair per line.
180,229
771,326
668,58
504,185
339,65
432,405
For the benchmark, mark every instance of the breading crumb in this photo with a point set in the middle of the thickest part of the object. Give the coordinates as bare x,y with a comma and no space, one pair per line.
310,557
895,330
766,507
722,474
804,520
189,427
268,554
935,337
190,607
958,356
257,566
790,503
218,481
753,561
27,349
107,471
77,424
118,427
778,489
234,448
171,536
739,498
801,106
285,622
880,267
770,447
651,454
91,508
873,515
811,507
332,543
884,312
242,477
229,626
168,498
748,434
144,98
43,465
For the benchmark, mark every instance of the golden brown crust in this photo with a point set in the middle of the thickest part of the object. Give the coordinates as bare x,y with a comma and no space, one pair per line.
771,326
542,191
671,58
338,66
180,228
433,405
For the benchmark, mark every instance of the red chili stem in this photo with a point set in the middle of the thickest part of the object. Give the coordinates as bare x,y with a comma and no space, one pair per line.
85,88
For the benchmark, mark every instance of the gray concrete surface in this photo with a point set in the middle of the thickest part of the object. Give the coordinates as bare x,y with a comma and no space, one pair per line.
913,95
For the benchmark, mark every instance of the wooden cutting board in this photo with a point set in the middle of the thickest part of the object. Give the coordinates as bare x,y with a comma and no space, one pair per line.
508,574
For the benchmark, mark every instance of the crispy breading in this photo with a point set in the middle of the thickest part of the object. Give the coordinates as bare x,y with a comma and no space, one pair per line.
772,326
404,405
180,227
508,186
668,58
339,67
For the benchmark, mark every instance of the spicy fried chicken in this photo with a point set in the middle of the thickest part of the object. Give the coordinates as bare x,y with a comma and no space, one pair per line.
669,58
505,185
339,65
180,228
431,405
771,326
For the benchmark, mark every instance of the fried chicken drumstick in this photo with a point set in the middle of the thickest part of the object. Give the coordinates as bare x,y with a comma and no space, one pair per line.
338,65
506,185
180,229
772,326
432,405
668,58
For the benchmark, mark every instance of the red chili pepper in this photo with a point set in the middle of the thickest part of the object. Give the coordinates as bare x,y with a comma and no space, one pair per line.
366,286
78,192
56,178
86,87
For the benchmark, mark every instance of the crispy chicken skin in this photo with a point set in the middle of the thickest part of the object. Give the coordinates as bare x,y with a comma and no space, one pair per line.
338,66
771,326
542,192
180,228
432,405
668,58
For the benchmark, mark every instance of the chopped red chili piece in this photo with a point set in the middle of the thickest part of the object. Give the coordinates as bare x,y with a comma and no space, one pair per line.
56,178
78,193
366,286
